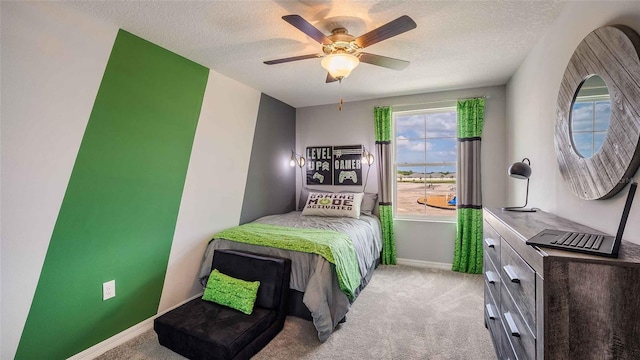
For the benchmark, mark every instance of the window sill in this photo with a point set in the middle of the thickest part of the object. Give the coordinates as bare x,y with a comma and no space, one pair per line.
442,219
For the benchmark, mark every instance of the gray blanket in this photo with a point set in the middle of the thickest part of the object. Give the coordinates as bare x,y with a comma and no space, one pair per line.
311,273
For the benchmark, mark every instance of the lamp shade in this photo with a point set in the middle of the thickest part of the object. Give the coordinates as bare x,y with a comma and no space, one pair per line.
370,159
340,65
520,170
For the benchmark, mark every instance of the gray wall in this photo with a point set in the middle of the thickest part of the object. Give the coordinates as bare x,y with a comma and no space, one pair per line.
427,241
532,95
270,180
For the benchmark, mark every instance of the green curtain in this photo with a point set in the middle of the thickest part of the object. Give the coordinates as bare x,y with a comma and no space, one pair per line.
382,118
467,255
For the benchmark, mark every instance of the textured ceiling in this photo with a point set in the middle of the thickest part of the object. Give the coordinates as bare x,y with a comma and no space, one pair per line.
456,45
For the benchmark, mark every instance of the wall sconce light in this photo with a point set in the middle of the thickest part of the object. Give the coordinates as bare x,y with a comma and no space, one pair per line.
521,170
367,158
297,159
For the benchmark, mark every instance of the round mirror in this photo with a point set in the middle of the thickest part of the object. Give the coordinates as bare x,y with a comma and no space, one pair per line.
589,118
597,140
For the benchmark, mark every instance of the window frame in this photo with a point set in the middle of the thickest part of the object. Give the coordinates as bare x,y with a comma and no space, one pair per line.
448,107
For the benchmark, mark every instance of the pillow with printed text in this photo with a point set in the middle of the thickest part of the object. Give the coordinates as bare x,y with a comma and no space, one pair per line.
333,204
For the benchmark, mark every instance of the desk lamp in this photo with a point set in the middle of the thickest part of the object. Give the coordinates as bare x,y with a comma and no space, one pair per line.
521,170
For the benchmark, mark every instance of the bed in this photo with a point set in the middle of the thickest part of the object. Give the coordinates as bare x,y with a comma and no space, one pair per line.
315,290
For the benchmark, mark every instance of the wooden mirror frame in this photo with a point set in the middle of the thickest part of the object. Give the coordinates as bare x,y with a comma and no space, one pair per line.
610,52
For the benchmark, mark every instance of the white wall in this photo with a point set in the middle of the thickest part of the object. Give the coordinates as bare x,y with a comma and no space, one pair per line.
51,71
53,60
205,207
415,240
532,96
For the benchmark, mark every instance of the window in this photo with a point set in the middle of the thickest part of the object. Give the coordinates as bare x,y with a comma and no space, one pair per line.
425,152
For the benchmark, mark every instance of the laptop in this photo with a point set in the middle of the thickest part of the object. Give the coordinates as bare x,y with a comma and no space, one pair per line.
594,244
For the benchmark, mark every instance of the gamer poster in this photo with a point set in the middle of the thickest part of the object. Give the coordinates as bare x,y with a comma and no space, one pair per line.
334,165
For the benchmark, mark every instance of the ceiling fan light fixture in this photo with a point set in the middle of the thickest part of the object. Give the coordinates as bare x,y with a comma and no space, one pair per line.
340,65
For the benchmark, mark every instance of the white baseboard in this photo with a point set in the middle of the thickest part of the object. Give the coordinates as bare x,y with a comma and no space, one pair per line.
122,337
424,264
114,341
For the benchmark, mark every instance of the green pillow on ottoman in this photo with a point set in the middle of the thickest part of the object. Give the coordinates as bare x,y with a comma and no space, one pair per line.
229,291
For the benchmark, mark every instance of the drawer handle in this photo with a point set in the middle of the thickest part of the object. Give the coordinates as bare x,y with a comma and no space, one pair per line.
490,312
512,325
511,274
490,242
491,277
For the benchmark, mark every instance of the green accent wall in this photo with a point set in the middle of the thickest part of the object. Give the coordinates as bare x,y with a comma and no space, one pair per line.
120,208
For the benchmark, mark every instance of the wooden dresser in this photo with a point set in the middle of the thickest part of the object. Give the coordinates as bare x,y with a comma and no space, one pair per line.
553,304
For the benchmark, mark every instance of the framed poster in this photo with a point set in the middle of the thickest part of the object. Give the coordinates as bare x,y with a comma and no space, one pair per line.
319,165
347,165
334,165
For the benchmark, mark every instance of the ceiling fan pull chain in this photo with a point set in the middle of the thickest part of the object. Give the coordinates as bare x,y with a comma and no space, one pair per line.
340,94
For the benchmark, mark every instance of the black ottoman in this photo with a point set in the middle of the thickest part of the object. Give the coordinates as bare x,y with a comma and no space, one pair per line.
201,329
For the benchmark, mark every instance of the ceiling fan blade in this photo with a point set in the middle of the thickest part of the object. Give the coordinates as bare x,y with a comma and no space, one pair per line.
304,26
293,58
330,78
390,29
379,60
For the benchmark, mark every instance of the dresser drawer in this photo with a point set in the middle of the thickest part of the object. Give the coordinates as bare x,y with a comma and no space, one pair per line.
491,278
491,243
492,319
506,350
520,279
521,337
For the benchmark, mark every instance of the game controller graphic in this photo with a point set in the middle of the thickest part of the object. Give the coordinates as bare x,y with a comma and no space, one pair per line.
319,176
348,175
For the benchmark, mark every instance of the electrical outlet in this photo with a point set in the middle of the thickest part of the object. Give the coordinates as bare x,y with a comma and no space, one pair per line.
108,290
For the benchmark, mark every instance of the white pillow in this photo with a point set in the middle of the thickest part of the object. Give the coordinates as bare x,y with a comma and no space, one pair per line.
333,204
304,196
369,202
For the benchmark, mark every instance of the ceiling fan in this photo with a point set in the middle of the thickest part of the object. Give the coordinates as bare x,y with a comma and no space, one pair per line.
341,50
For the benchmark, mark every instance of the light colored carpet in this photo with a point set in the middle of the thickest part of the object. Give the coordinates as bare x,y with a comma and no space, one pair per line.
404,313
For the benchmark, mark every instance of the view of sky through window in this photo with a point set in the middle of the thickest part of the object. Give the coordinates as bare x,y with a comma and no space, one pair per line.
427,138
589,124
425,159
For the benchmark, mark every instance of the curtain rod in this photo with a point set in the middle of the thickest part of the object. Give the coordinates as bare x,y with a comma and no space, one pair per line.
475,97
441,101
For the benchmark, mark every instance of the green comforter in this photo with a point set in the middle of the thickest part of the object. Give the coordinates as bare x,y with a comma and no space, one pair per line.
335,247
